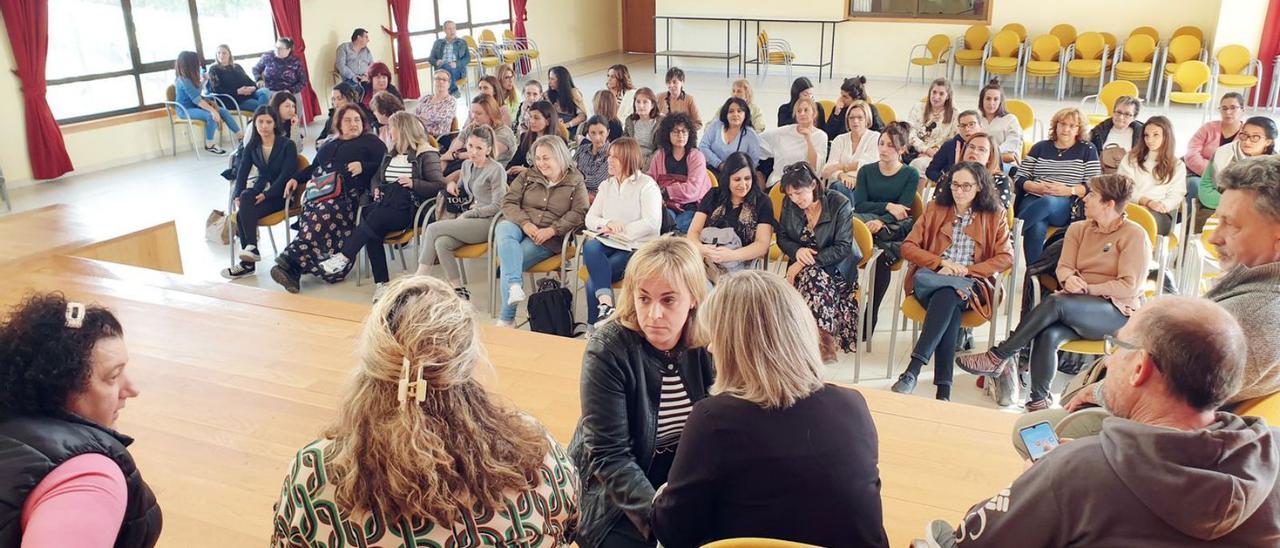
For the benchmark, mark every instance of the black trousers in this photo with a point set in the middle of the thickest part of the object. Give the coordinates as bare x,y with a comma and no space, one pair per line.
1164,222
1058,319
249,213
881,286
938,335
379,219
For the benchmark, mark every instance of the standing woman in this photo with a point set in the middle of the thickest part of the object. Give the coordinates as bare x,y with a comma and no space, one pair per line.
1209,137
851,90
379,79
408,175
677,100
285,103
802,141
542,122
227,77
485,112
852,149
962,238
510,95
883,196
567,99
628,211
438,110
68,478
679,168
484,182
742,90
186,86
933,121
605,105
641,374
801,87
618,81
1159,177
1257,137
642,123
276,159
997,122
734,223
352,158
1052,178
773,435
731,132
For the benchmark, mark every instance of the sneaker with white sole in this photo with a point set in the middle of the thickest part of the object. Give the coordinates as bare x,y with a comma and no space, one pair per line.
504,323
335,264
249,254
379,290
238,271
515,294
939,534
462,292
603,312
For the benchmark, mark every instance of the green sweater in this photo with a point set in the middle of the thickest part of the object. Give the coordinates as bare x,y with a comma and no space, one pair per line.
1209,196
874,190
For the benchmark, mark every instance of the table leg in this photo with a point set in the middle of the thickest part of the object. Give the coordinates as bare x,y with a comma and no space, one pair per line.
822,43
831,68
728,51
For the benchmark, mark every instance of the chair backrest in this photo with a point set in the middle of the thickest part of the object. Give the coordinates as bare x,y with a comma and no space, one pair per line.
917,207
1023,111
303,162
170,93
1066,33
938,45
1017,28
1189,30
976,36
776,198
1005,44
1046,48
1192,74
471,42
1145,219
712,175
745,542
1234,59
1146,31
828,108
1139,48
762,39
1267,407
487,35
1089,46
507,35
1184,48
1113,90
887,115
1110,40
862,239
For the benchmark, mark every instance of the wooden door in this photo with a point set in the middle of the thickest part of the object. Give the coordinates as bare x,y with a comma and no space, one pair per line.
637,26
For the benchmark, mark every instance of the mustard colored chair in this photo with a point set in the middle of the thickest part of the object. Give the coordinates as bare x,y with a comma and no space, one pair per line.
916,211
178,116
1180,50
489,43
400,239
1087,58
484,56
938,48
1017,28
774,51
970,50
1267,407
1235,67
1112,44
1003,56
1135,61
886,112
749,542
292,208
1189,30
1146,31
1044,61
1065,32
525,47
1190,77
775,252
1107,99
1027,120
866,274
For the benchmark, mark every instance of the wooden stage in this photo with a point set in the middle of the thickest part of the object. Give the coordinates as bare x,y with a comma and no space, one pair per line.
235,379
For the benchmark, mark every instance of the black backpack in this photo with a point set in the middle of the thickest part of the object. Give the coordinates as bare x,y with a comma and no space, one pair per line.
551,309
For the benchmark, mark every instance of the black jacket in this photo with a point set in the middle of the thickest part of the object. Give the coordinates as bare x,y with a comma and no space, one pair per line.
327,132
273,172
786,117
428,177
1098,135
614,443
336,154
34,446
833,233
226,80
835,122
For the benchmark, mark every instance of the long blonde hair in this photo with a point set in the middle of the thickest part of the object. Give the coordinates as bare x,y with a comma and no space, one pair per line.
455,450
763,338
673,259
408,132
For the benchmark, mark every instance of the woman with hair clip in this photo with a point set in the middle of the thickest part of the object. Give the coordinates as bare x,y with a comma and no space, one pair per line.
801,87
852,90
676,100
999,124
485,112
186,84
420,449
641,375
883,198
1159,177
67,477
679,168
542,122
932,122
731,132
962,239
276,159
773,435
618,81
642,123
852,149
567,99
815,232
734,223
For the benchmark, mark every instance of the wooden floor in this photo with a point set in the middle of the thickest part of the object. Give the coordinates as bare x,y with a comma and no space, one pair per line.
234,379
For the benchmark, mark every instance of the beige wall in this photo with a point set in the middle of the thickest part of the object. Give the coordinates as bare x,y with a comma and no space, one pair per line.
564,30
1241,23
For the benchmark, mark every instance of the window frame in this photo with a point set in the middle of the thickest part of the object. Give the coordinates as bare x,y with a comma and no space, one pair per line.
916,17
439,28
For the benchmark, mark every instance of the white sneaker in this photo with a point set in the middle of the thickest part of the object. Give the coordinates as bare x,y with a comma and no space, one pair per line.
334,264
379,290
504,323
515,294
249,254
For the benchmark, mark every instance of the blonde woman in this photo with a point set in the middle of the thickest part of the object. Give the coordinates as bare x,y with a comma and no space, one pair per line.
641,375
419,442
742,90
226,77
852,149
772,435
802,141
510,96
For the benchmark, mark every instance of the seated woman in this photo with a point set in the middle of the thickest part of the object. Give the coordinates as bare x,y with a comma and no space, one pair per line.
567,99
962,239
982,149
226,77
1257,137
485,112
341,95
731,132
679,168
641,374
542,122
1210,136
383,106
1159,177
335,181
801,87
742,90
883,197
438,110
379,80
491,86
465,209
676,100
592,155
773,435
1052,178
276,160
734,223
279,70
472,458
285,103
408,175
618,82
815,232
852,90
932,122
1002,127
851,149
642,123
543,206
532,94
510,95
605,105
186,86
1122,129
627,213
1100,274
799,142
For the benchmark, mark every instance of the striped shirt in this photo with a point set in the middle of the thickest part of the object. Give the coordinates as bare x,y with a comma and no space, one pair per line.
398,167
1073,166
674,407
962,246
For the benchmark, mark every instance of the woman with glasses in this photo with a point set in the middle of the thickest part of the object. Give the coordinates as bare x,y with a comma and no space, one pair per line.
679,168
982,149
1256,138
1209,137
280,70
1099,283
1052,178
1122,129
510,95
438,110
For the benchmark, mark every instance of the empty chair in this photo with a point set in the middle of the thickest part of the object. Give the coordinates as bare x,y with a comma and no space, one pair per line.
1112,44
1087,58
1002,56
887,115
1191,76
1189,30
1136,60
526,48
971,47
1027,120
1235,67
1017,28
1066,33
1146,31
775,51
1044,61
1180,50
1107,98
938,47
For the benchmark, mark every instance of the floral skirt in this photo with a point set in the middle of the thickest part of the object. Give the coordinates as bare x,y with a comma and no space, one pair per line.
323,227
833,302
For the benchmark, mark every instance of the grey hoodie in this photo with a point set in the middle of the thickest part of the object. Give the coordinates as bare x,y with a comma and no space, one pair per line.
1137,485
1252,296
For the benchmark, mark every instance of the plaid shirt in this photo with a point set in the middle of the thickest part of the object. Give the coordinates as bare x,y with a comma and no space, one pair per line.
449,55
594,167
962,246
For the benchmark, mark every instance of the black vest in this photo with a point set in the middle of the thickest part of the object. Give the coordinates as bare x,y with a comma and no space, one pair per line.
31,447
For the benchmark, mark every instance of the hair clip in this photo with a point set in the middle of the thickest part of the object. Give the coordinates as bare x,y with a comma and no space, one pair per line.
75,315
410,389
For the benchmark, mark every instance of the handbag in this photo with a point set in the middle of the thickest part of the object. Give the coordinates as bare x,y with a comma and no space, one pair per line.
926,282
216,228
325,186
726,238
1110,158
457,204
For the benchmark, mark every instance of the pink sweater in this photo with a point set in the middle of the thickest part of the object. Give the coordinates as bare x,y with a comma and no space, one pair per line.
692,189
1202,145
80,503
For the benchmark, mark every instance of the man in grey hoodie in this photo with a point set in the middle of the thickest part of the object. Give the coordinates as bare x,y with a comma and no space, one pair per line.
1167,469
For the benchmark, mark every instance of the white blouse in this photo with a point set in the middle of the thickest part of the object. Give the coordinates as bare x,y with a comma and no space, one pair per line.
1171,193
636,202
787,146
842,151
923,138
1006,132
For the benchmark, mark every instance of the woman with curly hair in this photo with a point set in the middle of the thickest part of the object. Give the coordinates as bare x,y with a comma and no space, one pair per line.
66,475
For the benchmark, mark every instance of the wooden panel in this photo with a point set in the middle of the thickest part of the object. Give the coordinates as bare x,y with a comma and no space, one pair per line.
61,229
155,248
637,26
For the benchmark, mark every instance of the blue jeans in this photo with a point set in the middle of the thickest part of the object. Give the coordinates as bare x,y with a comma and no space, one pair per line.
683,219
605,265
1193,190
260,97
514,248
840,187
209,127
1038,214
455,74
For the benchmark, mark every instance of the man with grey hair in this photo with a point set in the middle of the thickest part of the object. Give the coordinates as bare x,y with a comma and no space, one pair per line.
1167,469
451,55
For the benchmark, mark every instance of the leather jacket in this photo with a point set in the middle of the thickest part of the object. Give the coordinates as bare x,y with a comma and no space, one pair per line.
833,232
613,445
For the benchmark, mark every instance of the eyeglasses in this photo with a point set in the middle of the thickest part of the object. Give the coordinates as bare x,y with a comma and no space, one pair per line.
1111,345
964,187
680,131
441,78
1231,108
1125,113
979,150
966,125
1255,138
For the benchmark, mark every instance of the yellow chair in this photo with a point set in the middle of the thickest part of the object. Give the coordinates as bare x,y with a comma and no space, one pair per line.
1016,28
1136,61
1112,44
483,56
775,51
1189,30
866,273
1107,98
886,113
1143,217
775,198
972,46
712,176
828,108
1267,407
916,211
398,240
1235,67
1180,50
292,208
1146,31
1044,61
1190,77
1065,32
525,46
1003,56
1027,120
489,42
938,47
178,116
1087,58
556,264
748,542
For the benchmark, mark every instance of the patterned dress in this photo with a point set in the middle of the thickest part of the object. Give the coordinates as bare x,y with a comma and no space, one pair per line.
832,299
307,516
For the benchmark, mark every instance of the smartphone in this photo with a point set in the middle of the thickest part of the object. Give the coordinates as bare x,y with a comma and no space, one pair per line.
1039,439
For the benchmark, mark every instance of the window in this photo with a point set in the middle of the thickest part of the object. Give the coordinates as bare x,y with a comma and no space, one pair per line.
109,57
961,10
426,20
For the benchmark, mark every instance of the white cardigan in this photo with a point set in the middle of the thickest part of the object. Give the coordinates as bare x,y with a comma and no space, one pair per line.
1171,193
787,146
940,133
842,153
636,203
1006,132
628,104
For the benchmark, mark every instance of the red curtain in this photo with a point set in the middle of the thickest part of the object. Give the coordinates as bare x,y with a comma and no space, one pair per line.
27,22
406,68
287,16
1269,48
518,6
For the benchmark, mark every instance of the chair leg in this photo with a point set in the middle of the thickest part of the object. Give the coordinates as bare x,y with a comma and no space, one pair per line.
404,263
272,235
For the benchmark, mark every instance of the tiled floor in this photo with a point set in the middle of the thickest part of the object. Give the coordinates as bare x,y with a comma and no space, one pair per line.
190,188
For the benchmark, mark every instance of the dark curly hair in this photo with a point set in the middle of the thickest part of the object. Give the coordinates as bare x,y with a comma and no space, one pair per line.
669,123
987,199
42,361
